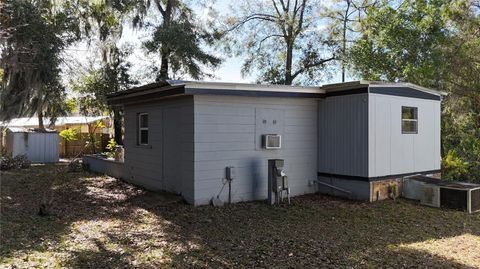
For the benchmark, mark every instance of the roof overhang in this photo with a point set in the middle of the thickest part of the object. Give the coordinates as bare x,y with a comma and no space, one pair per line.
169,89
177,88
373,84
59,121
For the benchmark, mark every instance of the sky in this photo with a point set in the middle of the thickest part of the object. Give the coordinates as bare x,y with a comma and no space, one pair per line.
228,71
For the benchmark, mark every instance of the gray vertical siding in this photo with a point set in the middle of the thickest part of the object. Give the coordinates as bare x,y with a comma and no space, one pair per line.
167,162
343,135
227,133
390,151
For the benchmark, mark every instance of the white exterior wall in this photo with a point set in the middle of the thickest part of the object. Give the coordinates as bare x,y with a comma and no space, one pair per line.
38,147
389,151
227,133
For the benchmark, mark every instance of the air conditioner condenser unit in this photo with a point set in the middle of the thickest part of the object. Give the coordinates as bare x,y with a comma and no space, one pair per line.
460,196
430,195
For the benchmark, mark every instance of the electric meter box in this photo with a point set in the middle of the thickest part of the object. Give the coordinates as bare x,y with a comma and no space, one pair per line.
230,172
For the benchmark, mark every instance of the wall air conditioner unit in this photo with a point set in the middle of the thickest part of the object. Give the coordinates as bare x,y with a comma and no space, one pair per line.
272,141
430,195
461,196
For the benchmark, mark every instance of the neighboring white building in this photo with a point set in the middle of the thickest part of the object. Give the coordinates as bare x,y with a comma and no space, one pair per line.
357,139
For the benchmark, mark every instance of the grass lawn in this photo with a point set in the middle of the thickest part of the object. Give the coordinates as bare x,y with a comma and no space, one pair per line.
101,222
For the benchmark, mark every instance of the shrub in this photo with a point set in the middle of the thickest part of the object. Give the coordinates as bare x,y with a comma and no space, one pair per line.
454,167
17,162
111,147
22,161
70,134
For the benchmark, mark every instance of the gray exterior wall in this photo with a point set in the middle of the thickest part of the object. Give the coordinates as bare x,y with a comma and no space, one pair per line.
228,130
105,166
343,135
390,151
167,162
358,190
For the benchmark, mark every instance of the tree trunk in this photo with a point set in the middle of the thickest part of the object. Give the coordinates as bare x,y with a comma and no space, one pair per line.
344,39
117,125
165,52
288,66
164,65
1,141
41,126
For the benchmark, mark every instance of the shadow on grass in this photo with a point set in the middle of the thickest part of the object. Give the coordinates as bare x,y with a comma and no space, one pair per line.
100,258
148,230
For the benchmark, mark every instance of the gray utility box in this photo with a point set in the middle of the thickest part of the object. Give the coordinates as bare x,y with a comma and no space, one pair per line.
277,181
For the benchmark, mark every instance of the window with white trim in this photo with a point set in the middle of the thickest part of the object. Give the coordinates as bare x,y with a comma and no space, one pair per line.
409,120
142,128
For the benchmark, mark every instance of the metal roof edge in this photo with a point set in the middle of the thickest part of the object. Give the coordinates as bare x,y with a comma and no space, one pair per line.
251,86
362,83
409,85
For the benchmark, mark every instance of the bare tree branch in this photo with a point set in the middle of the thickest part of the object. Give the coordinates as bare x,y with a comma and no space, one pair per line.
265,38
256,16
315,64
300,24
159,7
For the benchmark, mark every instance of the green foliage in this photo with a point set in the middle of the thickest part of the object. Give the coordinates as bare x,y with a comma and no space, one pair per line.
180,43
461,140
408,43
94,87
179,40
454,167
111,147
71,134
92,141
32,36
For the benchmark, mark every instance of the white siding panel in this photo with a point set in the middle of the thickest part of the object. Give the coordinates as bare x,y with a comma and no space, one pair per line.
395,153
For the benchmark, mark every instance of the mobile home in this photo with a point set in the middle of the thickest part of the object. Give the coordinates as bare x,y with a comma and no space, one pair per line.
356,139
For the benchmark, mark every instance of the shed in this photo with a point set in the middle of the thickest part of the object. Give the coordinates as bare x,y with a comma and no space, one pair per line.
84,124
339,139
39,147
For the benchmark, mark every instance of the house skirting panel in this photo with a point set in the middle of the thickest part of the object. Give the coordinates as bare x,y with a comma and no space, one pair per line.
373,190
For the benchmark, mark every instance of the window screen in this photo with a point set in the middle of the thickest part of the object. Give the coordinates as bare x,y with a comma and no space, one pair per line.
409,120
143,129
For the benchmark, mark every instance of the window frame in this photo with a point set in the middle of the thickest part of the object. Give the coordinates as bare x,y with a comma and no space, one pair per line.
415,109
140,129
